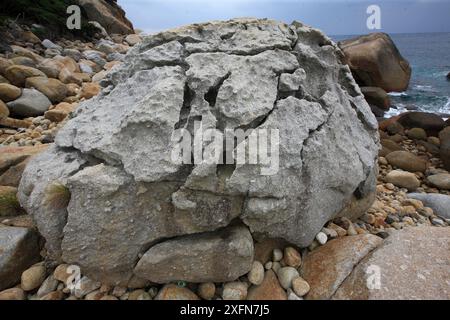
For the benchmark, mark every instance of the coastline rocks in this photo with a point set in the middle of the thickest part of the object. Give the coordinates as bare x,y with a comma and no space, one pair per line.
108,14
430,122
325,268
326,130
440,203
209,257
31,103
377,97
444,137
413,263
376,62
19,249
441,181
269,289
8,92
403,179
407,161
18,74
52,88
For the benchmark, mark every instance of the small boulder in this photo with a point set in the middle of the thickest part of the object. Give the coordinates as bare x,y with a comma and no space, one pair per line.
60,111
417,134
430,122
18,74
4,111
444,137
33,277
174,292
403,179
377,97
269,289
31,103
440,203
407,161
13,294
9,92
52,88
441,181
19,249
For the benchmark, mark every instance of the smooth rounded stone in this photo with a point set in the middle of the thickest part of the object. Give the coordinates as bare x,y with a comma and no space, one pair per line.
4,111
13,294
178,201
54,89
50,45
376,61
33,277
292,257
94,295
206,290
430,122
195,258
31,103
377,97
62,273
325,268
119,291
434,140
256,274
292,296
9,205
407,161
276,266
4,64
99,76
269,289
174,292
18,74
133,39
444,137
89,90
139,294
60,111
300,286
268,265
24,61
95,56
440,203
19,250
85,286
66,76
9,92
331,233
286,275
441,181
321,238
403,179
51,67
72,53
417,134
277,255
234,291
413,263
50,284
3,79
391,145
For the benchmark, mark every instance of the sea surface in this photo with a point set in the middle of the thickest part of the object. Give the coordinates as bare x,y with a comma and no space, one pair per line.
429,57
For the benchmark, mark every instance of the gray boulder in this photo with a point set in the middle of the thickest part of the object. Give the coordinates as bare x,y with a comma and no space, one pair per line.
440,203
19,249
220,256
241,74
31,103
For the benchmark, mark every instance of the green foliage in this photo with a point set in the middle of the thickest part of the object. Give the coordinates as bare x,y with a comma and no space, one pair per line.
9,205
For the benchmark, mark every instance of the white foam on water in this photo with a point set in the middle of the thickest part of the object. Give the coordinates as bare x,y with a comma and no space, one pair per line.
446,107
398,94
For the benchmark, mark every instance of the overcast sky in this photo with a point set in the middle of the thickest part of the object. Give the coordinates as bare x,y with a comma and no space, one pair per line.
335,17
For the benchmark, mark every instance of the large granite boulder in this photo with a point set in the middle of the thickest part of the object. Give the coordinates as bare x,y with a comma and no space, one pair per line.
110,192
376,62
411,264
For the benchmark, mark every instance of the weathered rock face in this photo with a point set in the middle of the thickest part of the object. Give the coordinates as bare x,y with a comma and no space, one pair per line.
127,195
108,13
413,265
376,62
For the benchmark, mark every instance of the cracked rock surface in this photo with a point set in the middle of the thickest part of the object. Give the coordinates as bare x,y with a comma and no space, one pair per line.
132,209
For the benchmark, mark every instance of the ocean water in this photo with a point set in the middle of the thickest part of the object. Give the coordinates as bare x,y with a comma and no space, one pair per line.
429,57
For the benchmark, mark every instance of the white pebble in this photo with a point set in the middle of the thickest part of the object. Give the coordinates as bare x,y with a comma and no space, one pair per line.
321,238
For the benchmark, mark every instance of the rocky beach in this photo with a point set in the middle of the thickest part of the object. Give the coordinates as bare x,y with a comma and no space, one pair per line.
92,208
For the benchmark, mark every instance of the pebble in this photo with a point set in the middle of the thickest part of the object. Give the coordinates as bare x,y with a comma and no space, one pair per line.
292,257
207,290
13,294
85,286
33,277
256,274
268,265
50,284
234,291
139,294
321,238
277,255
276,266
292,296
286,275
438,222
300,286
